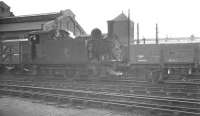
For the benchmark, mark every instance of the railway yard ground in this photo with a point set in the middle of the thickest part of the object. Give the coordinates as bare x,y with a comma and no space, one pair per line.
49,66
58,97
13,106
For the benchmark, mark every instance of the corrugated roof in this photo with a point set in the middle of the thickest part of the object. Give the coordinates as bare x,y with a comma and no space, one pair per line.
21,26
29,18
79,26
34,22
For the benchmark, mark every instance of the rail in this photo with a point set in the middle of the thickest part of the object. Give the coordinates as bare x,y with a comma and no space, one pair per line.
129,102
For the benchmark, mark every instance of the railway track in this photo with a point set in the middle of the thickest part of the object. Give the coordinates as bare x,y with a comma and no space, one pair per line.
88,88
125,102
189,92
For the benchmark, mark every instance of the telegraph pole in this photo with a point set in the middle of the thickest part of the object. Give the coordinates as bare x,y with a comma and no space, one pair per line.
128,36
138,41
133,33
156,33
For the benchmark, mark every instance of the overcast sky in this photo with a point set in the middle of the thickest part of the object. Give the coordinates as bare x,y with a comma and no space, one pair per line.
175,18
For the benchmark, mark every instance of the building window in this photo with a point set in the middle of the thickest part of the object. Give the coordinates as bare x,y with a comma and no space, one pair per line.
2,9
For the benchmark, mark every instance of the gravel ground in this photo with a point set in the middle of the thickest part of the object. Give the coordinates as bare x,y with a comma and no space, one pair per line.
11,106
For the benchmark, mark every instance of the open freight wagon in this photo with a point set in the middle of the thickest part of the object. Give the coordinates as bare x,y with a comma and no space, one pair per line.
158,61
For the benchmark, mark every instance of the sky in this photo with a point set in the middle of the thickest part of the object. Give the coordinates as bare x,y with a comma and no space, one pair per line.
175,18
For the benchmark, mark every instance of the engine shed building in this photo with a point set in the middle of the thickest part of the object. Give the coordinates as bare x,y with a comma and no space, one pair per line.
5,10
18,26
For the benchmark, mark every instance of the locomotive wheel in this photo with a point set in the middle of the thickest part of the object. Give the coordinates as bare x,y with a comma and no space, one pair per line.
70,73
2,69
13,71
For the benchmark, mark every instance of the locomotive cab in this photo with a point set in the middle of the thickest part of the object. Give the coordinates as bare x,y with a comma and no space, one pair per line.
100,53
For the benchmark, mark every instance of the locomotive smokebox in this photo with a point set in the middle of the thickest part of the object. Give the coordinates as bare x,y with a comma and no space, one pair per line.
96,33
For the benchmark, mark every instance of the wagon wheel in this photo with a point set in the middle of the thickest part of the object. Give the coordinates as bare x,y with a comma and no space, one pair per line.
155,76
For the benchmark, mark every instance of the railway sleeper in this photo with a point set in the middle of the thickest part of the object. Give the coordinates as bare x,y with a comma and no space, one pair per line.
154,88
170,101
178,94
92,103
189,89
185,104
195,95
79,100
74,101
168,90
160,113
71,98
23,88
140,92
157,93
61,98
14,92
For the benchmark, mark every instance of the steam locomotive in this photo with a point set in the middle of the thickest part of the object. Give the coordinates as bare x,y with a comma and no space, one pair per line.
55,52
